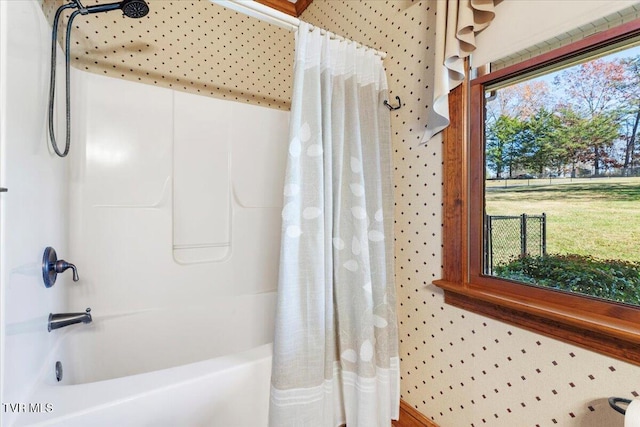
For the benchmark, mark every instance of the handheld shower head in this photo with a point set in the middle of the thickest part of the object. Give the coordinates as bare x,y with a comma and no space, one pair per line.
130,8
134,8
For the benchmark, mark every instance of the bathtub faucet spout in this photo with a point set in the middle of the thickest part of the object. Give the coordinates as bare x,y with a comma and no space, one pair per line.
61,320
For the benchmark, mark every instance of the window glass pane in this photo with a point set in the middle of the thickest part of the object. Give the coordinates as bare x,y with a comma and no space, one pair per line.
562,189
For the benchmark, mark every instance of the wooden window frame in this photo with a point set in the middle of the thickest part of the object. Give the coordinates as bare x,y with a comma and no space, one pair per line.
606,327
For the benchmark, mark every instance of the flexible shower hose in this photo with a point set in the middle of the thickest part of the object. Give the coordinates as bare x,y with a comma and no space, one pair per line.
52,82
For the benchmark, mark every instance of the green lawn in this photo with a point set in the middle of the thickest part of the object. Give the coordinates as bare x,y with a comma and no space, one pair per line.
598,217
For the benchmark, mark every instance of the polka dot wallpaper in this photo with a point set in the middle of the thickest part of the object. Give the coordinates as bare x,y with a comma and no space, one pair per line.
458,368
192,46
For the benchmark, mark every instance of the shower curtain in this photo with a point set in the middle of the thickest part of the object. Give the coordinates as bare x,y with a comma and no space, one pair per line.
335,356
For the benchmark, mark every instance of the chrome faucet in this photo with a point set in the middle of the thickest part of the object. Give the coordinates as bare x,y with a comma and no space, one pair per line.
61,320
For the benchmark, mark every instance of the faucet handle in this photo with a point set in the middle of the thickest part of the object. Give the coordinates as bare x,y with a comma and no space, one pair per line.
51,266
62,265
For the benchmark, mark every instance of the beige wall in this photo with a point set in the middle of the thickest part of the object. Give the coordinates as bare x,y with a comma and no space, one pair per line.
191,46
458,368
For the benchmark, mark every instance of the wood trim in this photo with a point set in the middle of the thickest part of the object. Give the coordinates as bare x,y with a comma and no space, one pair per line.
615,320
301,5
455,189
285,6
609,328
281,5
411,417
591,339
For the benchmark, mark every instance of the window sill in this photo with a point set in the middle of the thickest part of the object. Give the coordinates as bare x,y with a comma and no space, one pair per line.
570,323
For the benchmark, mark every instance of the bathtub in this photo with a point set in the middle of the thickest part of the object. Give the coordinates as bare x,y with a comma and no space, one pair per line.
216,373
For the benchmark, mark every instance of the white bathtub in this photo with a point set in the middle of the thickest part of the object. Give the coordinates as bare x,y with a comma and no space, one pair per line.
137,370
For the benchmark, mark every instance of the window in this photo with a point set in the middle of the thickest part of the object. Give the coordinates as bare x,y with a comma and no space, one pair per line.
472,277
562,176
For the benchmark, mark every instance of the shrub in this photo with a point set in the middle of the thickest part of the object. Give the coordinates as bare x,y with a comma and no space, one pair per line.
613,280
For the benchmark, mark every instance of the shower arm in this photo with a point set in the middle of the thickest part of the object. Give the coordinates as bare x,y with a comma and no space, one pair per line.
96,8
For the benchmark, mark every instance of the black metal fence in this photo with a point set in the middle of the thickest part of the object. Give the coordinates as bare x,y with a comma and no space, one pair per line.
509,237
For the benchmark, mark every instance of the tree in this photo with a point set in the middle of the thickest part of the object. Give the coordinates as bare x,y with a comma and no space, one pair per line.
538,148
508,112
631,89
521,100
502,144
593,93
576,137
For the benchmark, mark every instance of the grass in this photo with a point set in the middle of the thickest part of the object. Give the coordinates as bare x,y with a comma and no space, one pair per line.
598,217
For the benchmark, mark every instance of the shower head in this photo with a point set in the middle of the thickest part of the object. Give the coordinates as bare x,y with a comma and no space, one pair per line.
134,8
130,8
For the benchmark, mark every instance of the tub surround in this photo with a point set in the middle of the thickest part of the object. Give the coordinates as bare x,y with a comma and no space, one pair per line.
135,184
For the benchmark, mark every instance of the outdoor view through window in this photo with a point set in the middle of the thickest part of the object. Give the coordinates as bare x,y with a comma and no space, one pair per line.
562,189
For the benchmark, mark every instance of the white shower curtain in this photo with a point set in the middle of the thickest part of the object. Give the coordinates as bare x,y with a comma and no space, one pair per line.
336,346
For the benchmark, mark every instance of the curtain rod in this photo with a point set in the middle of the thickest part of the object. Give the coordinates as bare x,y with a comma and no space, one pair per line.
275,17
